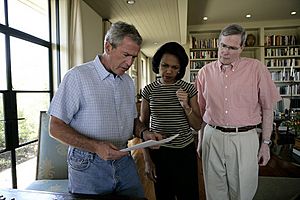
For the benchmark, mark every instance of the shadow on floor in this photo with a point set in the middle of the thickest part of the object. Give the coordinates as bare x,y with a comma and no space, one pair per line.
278,188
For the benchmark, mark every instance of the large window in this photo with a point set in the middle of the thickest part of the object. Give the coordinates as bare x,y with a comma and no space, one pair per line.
2,136
30,16
26,63
3,81
2,12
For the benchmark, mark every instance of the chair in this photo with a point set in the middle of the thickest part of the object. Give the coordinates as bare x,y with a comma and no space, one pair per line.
52,168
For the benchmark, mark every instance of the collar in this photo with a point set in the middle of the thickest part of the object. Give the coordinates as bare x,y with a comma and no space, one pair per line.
102,70
160,83
233,66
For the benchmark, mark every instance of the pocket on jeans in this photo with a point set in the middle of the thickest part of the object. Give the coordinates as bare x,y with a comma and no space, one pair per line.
79,160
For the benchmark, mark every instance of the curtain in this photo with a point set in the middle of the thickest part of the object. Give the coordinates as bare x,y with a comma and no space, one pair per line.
75,34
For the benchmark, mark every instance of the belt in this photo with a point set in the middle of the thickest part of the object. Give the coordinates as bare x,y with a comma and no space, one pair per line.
238,129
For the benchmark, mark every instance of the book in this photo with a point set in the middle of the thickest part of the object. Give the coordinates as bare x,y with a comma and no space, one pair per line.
297,143
296,151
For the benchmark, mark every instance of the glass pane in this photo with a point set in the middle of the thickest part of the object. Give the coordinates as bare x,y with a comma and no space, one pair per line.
2,136
29,107
5,170
26,164
3,85
2,16
30,16
30,65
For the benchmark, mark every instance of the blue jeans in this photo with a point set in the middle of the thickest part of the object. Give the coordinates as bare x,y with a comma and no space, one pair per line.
89,174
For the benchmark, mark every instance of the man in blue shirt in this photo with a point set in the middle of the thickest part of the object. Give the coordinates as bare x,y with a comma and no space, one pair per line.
94,112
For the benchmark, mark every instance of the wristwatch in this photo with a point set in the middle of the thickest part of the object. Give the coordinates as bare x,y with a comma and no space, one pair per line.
142,134
268,142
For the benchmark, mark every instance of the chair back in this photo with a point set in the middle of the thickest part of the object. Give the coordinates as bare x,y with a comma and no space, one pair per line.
52,154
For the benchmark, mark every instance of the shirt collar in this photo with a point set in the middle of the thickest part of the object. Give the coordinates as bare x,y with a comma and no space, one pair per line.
234,65
160,83
102,70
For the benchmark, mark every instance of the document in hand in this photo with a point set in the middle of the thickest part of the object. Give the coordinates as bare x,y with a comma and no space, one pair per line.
150,143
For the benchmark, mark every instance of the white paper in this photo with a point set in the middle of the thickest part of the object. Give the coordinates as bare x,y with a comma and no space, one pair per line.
149,143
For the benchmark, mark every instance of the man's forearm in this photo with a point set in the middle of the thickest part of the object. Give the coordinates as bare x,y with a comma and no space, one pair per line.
267,124
66,134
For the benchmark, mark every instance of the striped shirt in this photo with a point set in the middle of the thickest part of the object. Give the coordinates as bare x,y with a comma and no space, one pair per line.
166,114
96,104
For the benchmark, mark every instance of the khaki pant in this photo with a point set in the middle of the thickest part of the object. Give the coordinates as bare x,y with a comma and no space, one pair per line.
230,164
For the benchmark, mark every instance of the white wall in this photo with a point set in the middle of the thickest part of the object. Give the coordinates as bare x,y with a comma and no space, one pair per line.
92,33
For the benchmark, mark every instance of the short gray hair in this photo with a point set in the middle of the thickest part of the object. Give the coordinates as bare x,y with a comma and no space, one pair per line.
119,30
234,29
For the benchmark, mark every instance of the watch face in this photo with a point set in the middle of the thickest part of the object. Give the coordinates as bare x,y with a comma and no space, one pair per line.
267,141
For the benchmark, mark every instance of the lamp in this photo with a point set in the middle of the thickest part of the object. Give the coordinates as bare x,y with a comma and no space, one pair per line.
130,2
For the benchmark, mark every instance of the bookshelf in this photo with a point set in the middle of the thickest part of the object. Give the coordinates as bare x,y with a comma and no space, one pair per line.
199,58
277,46
203,49
282,57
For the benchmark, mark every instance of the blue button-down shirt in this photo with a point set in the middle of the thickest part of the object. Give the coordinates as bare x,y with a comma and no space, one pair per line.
96,103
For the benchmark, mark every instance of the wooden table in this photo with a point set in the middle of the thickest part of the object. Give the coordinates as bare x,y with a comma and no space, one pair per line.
15,194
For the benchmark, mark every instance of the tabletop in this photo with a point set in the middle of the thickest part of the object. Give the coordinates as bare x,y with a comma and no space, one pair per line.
16,194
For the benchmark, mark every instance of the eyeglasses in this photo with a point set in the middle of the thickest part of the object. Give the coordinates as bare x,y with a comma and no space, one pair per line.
223,46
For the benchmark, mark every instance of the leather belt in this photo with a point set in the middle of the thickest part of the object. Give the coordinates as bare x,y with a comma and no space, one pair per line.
238,129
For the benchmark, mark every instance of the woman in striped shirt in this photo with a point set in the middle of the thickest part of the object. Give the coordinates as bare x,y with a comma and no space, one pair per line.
169,106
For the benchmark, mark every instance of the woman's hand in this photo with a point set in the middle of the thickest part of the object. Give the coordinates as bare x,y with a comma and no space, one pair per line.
183,98
148,135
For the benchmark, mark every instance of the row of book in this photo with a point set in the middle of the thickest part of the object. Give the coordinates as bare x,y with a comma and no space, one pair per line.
204,43
289,89
203,54
193,77
286,51
198,64
279,40
282,62
270,40
282,107
297,143
296,148
285,75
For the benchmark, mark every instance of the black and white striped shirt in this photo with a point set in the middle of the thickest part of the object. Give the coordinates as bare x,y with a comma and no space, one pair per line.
166,114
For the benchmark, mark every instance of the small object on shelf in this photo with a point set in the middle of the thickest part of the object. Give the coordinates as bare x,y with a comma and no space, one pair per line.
250,41
297,143
296,154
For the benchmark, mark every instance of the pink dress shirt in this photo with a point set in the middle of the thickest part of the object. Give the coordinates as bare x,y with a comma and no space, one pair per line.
235,96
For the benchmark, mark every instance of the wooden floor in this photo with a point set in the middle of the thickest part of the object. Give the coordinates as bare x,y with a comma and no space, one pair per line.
279,166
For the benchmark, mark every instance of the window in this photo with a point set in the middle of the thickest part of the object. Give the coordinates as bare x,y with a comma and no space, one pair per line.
26,65
3,80
2,12
30,16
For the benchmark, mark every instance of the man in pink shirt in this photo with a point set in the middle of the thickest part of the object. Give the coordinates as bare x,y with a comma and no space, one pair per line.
235,95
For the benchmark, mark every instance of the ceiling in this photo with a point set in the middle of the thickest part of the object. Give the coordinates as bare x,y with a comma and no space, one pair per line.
159,21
